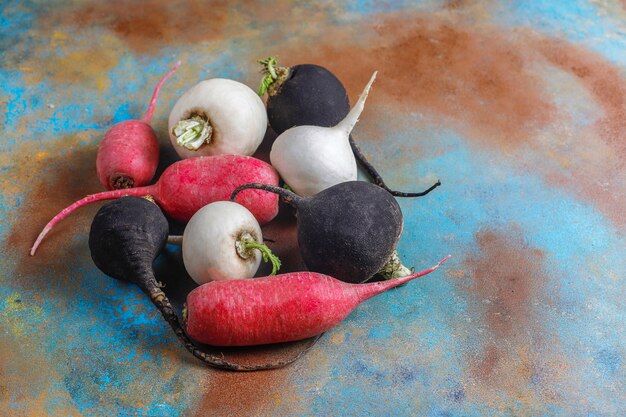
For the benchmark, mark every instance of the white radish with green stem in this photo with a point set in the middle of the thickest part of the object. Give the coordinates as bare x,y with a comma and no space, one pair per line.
217,116
223,240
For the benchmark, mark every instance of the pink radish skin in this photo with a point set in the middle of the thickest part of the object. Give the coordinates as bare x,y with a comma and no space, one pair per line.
129,153
280,308
188,185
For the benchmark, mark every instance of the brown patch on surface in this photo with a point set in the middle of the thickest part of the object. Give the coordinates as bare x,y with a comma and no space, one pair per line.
477,78
599,174
605,82
148,25
255,393
61,180
85,66
507,274
488,362
506,280
457,4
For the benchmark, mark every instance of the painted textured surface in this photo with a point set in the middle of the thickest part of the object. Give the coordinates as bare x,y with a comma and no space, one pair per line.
519,107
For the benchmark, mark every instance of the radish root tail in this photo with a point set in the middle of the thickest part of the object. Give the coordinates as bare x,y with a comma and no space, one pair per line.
106,195
147,118
378,180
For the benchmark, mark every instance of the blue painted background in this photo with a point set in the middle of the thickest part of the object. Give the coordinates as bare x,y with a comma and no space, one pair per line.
528,316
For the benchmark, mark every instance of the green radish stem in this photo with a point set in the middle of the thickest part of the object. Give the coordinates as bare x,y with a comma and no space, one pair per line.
394,268
243,245
274,76
247,243
192,133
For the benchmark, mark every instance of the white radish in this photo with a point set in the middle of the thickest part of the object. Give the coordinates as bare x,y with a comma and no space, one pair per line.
312,158
217,116
223,240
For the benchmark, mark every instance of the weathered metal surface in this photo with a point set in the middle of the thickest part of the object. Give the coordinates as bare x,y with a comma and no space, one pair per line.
519,107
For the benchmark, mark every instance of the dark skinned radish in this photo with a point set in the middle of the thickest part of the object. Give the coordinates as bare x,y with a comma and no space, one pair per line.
311,95
280,308
129,153
190,184
304,94
126,236
348,231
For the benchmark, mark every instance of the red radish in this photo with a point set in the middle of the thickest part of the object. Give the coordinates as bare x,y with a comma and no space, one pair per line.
275,309
129,153
190,184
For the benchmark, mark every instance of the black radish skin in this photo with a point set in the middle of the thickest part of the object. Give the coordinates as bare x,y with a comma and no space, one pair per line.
311,95
348,231
126,236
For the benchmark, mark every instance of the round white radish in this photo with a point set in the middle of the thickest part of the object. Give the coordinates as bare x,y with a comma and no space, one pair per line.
223,240
217,116
312,158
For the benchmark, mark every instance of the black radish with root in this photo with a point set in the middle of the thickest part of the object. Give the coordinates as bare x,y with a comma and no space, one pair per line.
311,95
126,236
348,231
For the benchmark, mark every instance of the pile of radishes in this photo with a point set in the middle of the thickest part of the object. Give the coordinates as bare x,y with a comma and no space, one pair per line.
347,230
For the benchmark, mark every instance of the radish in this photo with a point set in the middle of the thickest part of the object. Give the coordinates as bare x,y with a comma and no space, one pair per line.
304,94
311,95
281,308
217,116
349,231
223,240
188,185
129,153
125,237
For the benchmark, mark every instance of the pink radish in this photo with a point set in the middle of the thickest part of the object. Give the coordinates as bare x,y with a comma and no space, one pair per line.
190,184
276,309
129,153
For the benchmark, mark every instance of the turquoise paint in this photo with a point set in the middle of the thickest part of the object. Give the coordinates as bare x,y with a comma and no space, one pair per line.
588,23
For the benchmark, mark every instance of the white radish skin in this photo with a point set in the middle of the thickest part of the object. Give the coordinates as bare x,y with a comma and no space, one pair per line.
312,158
210,243
235,113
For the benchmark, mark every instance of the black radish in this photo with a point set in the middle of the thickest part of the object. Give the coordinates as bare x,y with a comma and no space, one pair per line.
348,231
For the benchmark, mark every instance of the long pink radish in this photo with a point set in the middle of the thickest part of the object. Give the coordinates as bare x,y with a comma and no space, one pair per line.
188,185
129,153
276,309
